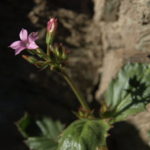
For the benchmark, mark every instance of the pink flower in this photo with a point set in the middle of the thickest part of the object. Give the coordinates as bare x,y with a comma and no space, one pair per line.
26,41
52,25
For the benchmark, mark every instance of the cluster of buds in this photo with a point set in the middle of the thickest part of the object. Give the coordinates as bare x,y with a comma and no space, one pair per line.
55,55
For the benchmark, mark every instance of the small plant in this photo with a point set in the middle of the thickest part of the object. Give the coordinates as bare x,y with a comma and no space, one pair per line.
128,94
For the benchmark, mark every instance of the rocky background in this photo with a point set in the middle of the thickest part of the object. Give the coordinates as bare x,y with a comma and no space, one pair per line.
101,36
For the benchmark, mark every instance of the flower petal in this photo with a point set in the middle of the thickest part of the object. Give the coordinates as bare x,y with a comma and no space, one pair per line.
33,36
32,45
18,46
23,34
18,51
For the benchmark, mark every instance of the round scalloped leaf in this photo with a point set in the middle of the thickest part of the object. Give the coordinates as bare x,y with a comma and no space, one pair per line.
129,93
84,135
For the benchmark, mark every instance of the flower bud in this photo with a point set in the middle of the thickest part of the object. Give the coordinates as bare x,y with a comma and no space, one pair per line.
30,59
51,30
52,25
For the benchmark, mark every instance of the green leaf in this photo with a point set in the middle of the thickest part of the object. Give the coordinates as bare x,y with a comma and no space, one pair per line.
129,93
48,135
50,128
41,143
84,135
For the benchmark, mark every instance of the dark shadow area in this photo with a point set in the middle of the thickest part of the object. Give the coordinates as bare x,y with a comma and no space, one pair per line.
12,101
125,136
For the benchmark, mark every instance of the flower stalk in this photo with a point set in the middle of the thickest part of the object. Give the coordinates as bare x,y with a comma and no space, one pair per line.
74,88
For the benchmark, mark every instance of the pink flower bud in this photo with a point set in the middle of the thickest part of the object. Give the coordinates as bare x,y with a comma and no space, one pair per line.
52,25
51,30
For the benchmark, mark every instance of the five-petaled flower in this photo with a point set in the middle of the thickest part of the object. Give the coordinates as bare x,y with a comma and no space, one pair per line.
26,41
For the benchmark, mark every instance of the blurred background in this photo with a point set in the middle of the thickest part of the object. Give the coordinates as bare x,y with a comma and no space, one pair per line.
89,29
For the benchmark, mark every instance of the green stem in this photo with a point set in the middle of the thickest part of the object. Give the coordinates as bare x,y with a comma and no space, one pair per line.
48,51
79,96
